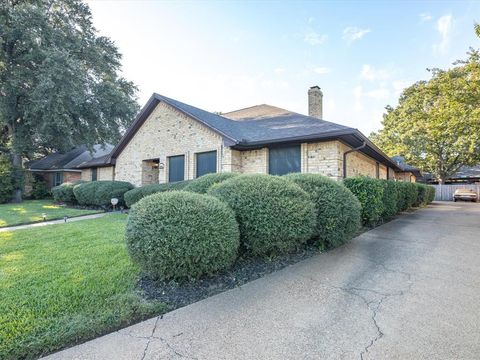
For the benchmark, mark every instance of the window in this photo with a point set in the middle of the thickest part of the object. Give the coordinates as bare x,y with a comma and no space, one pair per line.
94,174
284,160
206,163
58,179
176,168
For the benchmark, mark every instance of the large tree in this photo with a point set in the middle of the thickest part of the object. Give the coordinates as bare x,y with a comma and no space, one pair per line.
436,124
59,80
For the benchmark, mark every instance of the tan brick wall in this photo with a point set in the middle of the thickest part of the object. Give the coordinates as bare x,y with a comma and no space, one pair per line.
323,158
167,132
106,173
86,175
70,176
405,176
254,161
383,172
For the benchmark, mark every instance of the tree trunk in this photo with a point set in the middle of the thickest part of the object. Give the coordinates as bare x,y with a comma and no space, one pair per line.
17,168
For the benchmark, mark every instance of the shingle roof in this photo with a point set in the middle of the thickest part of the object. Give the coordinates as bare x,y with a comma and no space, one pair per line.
74,159
400,161
258,125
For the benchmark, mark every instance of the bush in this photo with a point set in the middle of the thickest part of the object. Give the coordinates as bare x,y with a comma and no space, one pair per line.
64,193
181,235
203,183
40,188
134,195
421,195
274,214
430,194
390,199
370,194
338,210
411,194
6,180
99,193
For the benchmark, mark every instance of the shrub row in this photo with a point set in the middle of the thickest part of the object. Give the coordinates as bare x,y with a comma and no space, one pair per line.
180,234
100,193
64,193
134,195
382,199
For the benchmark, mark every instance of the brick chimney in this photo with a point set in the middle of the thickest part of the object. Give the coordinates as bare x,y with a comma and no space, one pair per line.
315,102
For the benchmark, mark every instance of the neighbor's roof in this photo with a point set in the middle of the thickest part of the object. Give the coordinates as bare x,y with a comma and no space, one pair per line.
400,161
466,172
258,126
79,157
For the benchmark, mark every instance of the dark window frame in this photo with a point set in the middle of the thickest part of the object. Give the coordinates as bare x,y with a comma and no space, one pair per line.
182,156
60,180
274,164
94,174
197,167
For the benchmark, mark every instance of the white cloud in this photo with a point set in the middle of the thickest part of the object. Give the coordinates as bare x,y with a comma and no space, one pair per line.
279,70
378,94
321,70
370,73
353,33
424,17
314,38
444,28
311,19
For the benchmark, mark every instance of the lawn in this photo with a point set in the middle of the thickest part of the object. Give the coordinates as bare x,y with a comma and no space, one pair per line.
30,211
67,283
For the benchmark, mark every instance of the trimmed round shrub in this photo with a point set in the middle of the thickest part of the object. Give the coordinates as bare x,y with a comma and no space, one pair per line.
370,194
100,193
134,195
390,199
274,214
64,193
6,180
181,235
338,210
203,183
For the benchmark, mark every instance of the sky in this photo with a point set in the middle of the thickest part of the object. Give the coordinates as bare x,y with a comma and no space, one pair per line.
222,56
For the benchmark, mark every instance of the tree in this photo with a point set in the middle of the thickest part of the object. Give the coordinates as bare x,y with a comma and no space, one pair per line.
477,29
436,124
59,81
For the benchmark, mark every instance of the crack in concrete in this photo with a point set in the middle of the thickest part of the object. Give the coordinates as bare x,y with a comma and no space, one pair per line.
150,337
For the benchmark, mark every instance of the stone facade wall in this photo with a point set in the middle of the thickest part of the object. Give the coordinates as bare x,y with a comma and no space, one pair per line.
86,174
323,158
254,161
405,176
106,173
167,132
70,176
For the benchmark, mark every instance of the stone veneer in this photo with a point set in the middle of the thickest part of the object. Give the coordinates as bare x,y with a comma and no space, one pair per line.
103,173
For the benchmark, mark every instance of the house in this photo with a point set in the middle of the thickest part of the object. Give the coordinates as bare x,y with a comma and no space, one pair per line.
465,175
408,173
172,141
61,167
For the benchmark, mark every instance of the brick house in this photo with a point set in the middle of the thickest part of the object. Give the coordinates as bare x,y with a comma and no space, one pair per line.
172,141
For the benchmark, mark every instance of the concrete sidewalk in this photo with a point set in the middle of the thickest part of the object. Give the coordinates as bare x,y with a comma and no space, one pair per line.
409,289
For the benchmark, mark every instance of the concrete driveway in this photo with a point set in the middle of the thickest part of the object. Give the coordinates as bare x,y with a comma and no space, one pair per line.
409,289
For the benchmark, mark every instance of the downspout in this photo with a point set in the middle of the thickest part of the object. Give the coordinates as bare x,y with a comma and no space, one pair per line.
345,157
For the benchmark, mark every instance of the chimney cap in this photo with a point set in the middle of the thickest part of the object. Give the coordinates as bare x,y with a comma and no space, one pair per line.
315,87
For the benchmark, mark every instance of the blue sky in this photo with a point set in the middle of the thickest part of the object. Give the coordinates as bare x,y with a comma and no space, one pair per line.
222,56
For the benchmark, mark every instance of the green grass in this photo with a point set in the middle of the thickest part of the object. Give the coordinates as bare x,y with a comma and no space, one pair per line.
30,211
67,283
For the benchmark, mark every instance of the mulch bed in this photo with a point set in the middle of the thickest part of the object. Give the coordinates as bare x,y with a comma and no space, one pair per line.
246,269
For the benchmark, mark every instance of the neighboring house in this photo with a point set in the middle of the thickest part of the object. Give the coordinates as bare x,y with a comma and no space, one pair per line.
465,175
172,141
408,173
58,168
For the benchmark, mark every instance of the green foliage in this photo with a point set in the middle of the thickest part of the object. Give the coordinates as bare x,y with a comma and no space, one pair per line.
40,188
430,194
181,235
436,125
59,79
203,183
134,195
421,195
370,194
6,179
274,214
100,193
390,199
338,210
402,201
64,193
65,284
411,194
477,29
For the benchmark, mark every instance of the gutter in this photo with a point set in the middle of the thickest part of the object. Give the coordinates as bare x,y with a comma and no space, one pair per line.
345,157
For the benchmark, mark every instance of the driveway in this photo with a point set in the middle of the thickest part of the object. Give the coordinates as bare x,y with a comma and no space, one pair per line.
409,289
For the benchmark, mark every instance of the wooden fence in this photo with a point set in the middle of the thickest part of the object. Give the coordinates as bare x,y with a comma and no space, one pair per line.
445,192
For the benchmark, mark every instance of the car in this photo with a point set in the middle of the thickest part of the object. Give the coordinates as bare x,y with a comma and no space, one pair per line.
465,194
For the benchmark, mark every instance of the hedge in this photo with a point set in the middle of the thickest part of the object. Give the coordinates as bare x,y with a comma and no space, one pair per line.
274,214
390,199
430,194
203,183
181,235
338,210
64,193
421,195
370,194
134,195
100,193
6,179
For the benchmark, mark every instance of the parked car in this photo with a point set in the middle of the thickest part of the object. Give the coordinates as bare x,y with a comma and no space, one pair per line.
465,194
